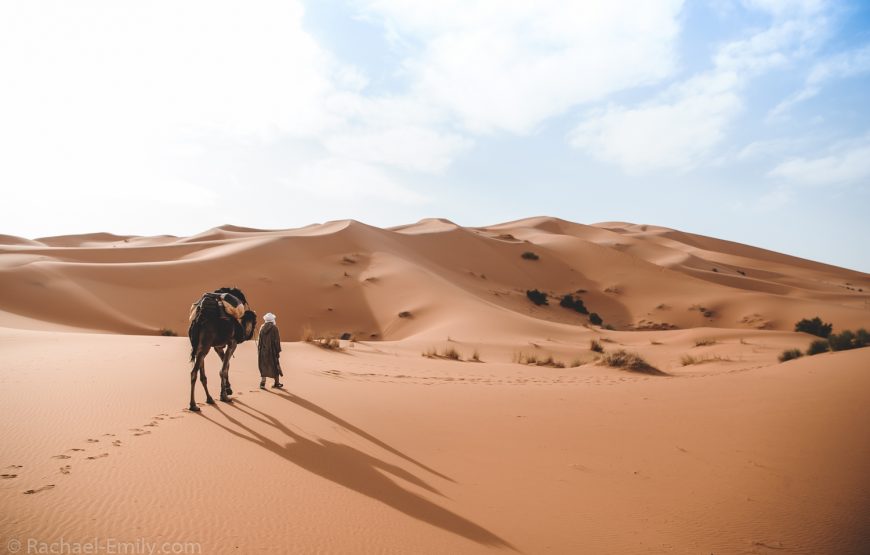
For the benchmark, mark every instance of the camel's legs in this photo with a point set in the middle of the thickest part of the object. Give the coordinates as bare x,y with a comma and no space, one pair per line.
225,372
193,406
220,352
199,366
204,381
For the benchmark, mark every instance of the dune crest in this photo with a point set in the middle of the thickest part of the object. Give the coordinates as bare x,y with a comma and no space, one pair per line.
346,277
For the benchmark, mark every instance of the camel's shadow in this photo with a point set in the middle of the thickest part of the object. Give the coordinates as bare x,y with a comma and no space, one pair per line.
354,469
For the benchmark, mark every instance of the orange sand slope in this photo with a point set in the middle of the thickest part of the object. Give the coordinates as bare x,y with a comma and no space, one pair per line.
375,448
347,277
370,450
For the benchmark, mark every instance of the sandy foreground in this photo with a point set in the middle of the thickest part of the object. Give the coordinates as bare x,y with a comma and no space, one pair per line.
376,448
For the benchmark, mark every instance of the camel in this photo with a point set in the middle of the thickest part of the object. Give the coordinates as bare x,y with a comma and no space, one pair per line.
211,327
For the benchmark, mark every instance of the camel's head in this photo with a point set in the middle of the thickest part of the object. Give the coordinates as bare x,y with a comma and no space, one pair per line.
249,322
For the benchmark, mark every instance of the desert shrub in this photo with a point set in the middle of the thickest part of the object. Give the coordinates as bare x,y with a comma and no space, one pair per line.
594,345
595,319
452,354
817,346
862,338
475,356
842,341
529,255
704,341
814,327
537,297
307,333
575,363
166,332
687,360
568,301
790,354
629,361
404,314
329,343
449,353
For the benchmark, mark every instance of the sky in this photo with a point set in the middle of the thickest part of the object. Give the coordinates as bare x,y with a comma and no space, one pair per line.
745,120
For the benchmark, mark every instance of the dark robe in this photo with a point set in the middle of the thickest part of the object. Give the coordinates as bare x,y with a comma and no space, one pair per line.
268,350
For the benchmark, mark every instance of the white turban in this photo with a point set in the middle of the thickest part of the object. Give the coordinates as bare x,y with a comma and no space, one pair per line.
269,317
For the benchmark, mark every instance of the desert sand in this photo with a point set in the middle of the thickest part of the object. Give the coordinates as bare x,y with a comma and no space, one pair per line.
377,448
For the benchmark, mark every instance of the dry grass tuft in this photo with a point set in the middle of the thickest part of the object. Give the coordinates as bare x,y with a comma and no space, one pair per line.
535,360
307,333
688,360
629,361
704,341
449,353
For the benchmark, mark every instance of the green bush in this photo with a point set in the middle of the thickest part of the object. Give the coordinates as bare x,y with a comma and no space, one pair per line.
842,341
595,319
568,301
814,326
537,297
790,354
817,346
862,338
594,345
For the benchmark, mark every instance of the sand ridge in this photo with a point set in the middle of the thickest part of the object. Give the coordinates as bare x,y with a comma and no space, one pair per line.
459,417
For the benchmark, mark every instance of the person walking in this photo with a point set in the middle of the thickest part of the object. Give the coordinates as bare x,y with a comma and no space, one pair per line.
269,351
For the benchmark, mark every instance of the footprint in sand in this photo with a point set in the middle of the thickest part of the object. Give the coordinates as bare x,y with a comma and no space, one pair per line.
76,449
93,440
136,430
100,456
61,457
174,417
37,490
151,424
108,435
8,476
65,469
14,466
117,443
142,433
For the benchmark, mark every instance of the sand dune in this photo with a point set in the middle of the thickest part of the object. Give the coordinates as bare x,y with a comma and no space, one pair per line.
389,445
347,277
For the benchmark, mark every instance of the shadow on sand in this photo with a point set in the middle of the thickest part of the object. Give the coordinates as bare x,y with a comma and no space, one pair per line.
320,411
355,470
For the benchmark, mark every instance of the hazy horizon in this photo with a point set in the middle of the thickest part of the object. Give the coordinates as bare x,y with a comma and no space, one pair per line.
742,120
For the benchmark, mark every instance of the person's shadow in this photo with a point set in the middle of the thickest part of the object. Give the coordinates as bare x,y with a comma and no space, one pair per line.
356,470
320,411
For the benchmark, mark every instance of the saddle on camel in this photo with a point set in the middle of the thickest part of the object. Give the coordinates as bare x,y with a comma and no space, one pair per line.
220,320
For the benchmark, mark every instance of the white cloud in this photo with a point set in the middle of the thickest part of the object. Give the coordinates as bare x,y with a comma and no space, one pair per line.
509,65
781,8
846,163
414,148
669,134
345,181
680,128
841,66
